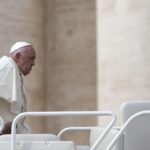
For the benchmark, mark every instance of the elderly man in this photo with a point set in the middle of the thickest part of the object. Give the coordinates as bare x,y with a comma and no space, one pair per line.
19,62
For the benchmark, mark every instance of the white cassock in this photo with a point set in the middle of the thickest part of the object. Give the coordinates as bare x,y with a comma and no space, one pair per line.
12,97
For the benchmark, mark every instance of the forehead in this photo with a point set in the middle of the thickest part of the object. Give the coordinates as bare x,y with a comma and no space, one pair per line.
29,51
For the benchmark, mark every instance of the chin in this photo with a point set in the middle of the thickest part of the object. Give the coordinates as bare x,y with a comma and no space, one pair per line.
26,73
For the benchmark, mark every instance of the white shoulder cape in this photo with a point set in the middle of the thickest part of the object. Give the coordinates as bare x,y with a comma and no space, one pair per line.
10,84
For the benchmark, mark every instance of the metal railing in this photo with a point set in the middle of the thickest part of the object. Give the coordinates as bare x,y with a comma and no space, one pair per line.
65,113
125,126
1,124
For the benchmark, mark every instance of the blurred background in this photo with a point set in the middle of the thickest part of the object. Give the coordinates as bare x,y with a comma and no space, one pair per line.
91,55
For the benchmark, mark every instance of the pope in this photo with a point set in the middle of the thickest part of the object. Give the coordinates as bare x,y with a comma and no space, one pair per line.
16,64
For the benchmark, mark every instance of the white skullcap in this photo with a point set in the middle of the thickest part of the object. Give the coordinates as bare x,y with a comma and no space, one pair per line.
18,45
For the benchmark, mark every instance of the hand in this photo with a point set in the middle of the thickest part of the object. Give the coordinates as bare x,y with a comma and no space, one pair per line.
7,128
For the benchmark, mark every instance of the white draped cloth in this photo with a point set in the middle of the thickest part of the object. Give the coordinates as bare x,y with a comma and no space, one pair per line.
12,97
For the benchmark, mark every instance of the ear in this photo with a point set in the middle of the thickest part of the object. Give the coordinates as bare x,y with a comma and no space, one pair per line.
17,56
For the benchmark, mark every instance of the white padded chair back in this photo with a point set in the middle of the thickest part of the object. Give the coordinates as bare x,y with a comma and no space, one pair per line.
132,107
137,135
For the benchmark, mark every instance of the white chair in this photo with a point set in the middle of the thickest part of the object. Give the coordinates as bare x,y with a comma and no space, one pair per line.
137,135
136,126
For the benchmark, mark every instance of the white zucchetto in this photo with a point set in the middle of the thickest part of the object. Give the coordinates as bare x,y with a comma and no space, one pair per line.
18,45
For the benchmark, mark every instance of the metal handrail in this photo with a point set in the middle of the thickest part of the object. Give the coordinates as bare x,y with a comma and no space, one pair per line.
1,124
101,137
124,127
64,113
63,131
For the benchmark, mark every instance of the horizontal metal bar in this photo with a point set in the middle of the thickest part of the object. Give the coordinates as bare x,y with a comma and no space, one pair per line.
62,113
